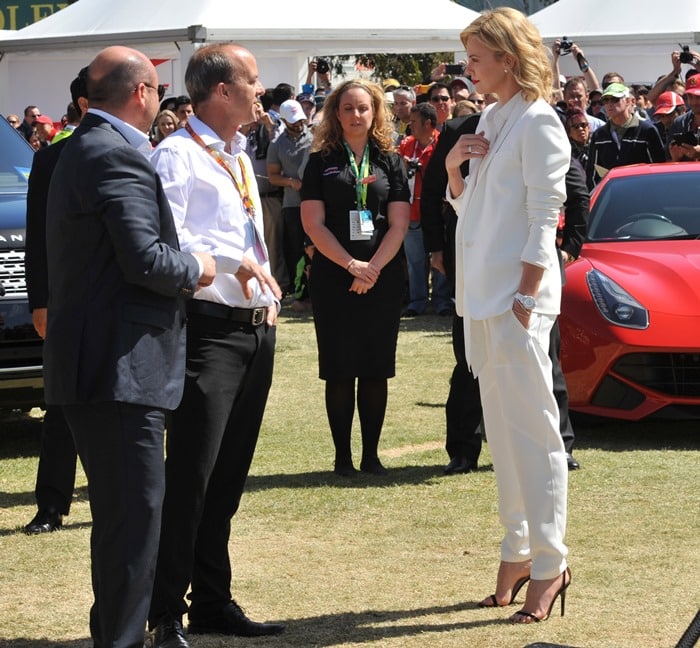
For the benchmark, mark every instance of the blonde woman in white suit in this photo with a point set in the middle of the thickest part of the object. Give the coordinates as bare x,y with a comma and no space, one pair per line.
508,289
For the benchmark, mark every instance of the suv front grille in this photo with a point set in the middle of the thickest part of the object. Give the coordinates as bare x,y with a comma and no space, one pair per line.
12,273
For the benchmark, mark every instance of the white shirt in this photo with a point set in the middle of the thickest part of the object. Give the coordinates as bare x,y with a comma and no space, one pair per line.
133,135
208,210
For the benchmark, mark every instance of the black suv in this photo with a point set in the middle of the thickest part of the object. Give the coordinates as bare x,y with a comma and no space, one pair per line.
21,380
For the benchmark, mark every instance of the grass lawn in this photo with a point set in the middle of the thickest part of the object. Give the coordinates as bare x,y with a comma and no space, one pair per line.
398,561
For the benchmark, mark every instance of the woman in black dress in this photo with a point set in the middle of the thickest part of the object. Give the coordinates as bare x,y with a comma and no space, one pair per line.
355,209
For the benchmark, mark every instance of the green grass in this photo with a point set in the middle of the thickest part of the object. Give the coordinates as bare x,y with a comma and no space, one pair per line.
399,561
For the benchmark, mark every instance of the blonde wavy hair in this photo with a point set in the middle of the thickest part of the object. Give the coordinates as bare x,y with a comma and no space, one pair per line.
508,31
328,134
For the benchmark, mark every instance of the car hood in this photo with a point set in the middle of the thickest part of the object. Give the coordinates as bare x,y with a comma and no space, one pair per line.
664,276
13,212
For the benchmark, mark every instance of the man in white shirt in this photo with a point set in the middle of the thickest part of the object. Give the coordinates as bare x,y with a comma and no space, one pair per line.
210,185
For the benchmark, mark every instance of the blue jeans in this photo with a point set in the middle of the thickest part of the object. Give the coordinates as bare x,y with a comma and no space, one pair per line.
417,266
442,292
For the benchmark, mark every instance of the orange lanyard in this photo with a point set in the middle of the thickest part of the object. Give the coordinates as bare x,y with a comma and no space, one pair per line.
243,190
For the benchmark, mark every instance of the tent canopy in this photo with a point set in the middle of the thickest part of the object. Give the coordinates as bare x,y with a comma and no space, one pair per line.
38,62
621,35
274,30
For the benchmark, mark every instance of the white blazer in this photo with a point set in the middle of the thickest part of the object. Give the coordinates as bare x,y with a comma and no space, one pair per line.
509,209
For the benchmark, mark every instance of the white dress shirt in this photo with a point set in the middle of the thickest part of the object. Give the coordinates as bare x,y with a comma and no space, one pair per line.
208,210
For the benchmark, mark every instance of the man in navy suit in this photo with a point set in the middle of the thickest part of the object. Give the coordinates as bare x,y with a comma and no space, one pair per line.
115,344
55,476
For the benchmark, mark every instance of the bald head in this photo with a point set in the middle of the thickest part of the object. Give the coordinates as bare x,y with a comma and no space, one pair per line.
115,72
119,81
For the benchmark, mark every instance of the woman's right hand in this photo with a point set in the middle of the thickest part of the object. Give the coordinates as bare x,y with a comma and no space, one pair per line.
468,147
360,286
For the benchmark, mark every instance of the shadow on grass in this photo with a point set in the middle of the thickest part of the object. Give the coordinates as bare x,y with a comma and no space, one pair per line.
623,436
327,630
406,475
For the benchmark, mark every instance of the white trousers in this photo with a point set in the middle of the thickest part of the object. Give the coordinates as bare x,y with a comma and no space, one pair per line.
522,427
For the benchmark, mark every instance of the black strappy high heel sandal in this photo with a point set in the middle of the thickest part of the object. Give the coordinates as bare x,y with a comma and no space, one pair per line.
529,617
516,588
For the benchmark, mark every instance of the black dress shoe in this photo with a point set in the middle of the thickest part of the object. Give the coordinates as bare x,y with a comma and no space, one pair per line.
169,634
233,621
45,521
459,465
571,462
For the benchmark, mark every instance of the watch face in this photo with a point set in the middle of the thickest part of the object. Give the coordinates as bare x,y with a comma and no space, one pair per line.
528,301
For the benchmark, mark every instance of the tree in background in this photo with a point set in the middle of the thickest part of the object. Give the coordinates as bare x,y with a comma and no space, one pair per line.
410,69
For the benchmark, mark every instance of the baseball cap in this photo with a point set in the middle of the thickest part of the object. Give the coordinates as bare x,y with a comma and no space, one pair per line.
692,85
291,111
618,91
305,97
390,84
667,102
462,80
44,119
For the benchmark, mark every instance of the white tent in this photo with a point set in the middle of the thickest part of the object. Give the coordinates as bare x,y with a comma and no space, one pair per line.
632,37
39,61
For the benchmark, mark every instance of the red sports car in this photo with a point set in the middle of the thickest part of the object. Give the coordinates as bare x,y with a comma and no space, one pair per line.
630,314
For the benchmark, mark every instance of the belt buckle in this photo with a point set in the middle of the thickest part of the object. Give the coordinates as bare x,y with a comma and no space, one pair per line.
258,316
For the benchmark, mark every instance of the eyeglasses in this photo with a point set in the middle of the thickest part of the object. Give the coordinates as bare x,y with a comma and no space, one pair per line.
438,98
148,85
478,101
597,102
581,125
607,100
13,121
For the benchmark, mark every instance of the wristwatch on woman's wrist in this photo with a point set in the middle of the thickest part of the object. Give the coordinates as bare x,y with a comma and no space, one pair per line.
528,302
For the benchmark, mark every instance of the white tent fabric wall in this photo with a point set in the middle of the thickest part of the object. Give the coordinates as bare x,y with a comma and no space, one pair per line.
632,37
39,61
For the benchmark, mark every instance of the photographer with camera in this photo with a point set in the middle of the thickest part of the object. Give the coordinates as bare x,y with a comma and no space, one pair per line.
563,47
416,151
321,69
683,133
673,80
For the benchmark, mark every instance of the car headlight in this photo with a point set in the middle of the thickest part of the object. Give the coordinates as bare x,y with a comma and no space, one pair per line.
614,303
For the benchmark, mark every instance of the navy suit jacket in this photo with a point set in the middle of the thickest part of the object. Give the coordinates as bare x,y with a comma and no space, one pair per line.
43,165
117,279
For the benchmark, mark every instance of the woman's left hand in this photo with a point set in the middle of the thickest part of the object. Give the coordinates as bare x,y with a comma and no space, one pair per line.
360,286
521,314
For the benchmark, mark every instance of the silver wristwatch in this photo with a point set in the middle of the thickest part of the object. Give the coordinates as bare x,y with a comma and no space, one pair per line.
528,302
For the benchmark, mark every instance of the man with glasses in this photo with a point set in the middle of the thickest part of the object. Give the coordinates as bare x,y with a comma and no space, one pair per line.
442,98
29,122
625,139
576,99
404,100
478,100
595,104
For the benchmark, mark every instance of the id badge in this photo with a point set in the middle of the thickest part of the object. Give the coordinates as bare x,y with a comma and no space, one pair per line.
366,224
357,233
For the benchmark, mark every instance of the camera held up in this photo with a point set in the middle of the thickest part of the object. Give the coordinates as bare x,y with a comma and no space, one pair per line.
322,66
565,46
686,56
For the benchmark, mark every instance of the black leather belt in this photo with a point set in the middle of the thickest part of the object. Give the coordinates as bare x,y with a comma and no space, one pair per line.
252,316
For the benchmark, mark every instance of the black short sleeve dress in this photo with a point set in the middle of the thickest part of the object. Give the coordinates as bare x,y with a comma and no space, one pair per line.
356,334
